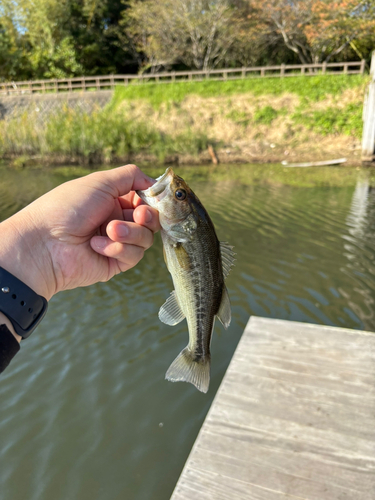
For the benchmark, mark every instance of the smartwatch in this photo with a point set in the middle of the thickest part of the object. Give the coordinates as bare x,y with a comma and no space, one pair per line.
24,308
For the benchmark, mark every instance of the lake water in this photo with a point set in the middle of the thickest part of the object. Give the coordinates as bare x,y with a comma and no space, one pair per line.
85,412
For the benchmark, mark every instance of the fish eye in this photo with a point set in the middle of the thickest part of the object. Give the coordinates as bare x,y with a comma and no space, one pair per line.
180,194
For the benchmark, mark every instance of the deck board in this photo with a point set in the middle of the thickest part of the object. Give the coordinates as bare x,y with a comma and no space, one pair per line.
294,418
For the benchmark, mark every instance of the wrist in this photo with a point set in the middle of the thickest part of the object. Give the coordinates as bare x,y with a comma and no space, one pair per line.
24,253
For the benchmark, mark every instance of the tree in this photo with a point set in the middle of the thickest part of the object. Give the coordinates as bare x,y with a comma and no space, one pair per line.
318,30
39,43
197,33
286,21
341,25
101,43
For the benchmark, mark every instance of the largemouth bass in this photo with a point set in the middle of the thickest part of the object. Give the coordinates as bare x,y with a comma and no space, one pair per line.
199,264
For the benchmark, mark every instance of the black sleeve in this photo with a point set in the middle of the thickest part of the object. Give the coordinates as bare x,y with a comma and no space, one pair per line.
8,347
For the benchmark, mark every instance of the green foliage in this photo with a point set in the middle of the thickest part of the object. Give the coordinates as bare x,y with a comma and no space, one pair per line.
100,136
347,120
313,89
265,115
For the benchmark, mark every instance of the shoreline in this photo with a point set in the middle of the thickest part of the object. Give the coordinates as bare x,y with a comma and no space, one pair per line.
223,157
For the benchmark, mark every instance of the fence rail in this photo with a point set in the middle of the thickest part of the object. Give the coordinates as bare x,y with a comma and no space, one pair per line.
89,83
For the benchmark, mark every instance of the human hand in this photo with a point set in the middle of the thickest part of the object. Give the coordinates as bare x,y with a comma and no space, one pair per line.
84,231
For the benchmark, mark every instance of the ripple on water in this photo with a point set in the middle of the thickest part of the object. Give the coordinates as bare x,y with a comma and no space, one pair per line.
82,402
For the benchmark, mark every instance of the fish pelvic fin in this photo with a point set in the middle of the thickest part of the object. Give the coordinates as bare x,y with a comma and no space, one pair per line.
224,313
170,312
227,257
185,369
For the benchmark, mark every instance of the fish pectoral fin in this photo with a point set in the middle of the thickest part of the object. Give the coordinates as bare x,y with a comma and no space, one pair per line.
185,369
170,312
224,313
165,257
227,257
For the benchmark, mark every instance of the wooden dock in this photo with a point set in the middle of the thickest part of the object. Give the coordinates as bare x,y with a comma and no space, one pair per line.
294,418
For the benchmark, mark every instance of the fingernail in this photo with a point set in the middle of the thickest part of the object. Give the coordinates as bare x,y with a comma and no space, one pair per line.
122,231
148,216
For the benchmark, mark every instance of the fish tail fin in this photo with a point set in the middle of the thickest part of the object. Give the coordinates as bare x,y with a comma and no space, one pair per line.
185,369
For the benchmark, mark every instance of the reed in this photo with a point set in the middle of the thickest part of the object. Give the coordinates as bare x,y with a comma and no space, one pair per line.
98,137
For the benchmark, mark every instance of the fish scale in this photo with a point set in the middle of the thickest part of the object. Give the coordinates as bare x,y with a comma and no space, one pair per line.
199,264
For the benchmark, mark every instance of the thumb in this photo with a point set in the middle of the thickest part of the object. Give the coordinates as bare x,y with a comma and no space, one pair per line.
120,181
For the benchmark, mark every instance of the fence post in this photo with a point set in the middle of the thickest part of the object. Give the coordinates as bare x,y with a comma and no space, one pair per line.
282,70
324,67
363,66
368,134
243,72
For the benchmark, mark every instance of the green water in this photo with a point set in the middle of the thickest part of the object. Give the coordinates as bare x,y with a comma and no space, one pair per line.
85,412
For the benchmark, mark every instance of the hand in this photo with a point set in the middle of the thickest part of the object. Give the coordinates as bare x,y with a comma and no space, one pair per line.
84,231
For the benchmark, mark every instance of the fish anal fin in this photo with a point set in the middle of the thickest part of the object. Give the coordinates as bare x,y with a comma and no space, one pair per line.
224,312
227,257
170,312
185,369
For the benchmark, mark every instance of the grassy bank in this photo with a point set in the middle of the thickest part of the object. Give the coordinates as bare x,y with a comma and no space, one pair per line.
266,119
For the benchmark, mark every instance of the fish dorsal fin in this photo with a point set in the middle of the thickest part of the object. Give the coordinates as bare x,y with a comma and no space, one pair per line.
170,312
224,313
227,257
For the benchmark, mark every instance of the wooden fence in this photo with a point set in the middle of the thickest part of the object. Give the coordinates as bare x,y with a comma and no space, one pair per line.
90,83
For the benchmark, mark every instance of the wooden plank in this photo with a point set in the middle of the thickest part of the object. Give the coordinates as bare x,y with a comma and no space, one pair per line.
368,134
292,419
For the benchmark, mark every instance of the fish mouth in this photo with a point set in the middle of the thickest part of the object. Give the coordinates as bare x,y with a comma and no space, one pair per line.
157,191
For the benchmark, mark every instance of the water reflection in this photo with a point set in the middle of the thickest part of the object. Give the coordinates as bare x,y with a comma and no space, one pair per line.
82,402
359,251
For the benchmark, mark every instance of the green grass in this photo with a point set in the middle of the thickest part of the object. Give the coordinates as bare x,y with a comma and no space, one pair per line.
347,120
314,88
265,115
99,136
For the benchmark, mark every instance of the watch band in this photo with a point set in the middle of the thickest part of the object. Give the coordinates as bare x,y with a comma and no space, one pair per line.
23,307
8,347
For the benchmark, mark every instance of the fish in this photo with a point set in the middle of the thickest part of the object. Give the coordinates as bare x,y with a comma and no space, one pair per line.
199,265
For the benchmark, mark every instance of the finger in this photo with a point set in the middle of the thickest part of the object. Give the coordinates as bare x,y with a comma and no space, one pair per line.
130,233
148,217
128,214
120,181
130,200
128,255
